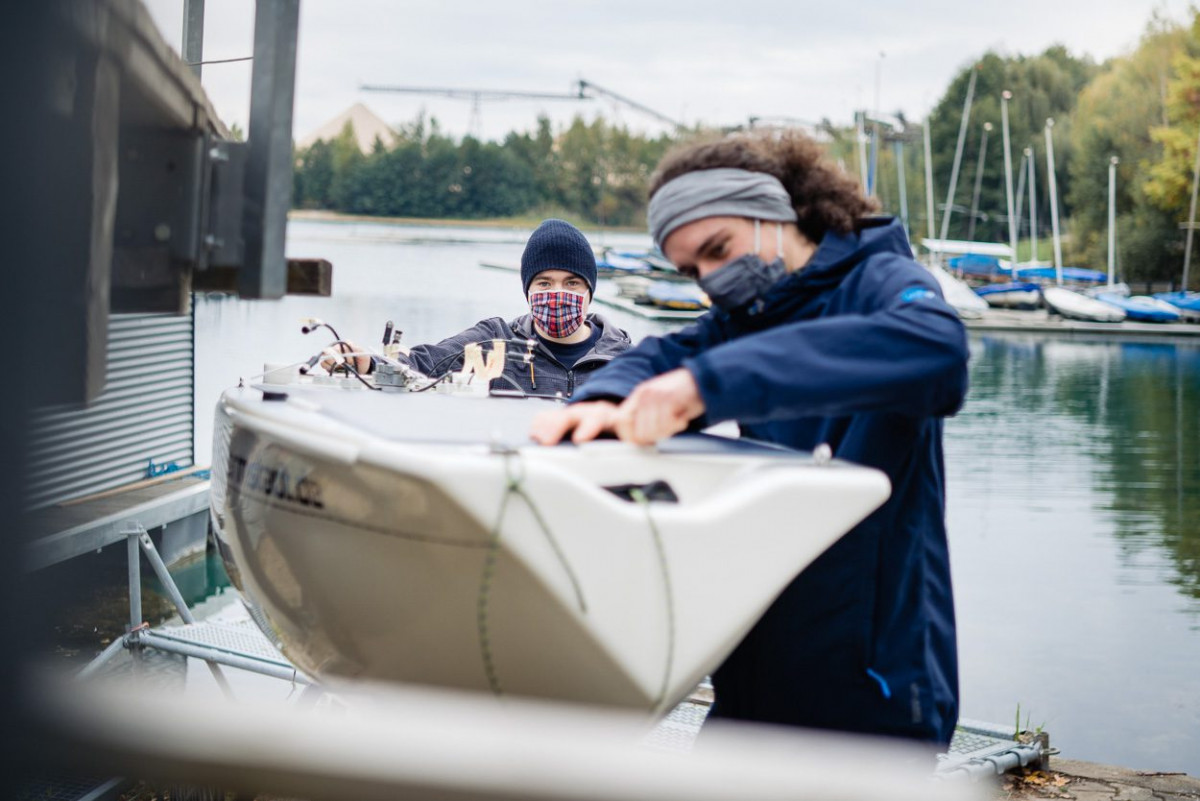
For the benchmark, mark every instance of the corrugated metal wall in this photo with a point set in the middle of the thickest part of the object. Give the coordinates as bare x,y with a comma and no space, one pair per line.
145,413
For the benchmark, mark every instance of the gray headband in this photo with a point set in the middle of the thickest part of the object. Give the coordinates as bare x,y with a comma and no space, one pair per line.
723,192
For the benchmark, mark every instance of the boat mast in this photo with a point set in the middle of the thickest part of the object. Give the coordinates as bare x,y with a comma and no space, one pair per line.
1005,96
860,134
987,127
928,181
1112,218
1022,174
1053,202
958,151
898,150
1033,253
1187,250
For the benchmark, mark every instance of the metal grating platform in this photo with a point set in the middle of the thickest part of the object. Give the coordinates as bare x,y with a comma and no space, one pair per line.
677,731
973,740
72,788
976,749
243,638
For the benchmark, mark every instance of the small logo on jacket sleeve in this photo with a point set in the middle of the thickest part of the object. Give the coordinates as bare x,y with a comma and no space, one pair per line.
916,293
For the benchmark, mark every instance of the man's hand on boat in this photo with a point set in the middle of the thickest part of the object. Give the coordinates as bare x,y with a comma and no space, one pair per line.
656,409
337,354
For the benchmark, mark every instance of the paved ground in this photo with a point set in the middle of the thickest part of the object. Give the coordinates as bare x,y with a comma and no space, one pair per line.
1089,781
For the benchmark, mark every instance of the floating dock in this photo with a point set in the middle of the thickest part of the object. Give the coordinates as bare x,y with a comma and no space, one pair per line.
1041,321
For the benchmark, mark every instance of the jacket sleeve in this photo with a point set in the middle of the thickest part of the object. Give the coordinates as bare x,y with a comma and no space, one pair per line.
652,356
442,357
903,351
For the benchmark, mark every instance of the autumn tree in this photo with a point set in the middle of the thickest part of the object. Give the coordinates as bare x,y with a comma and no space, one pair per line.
1043,87
1122,113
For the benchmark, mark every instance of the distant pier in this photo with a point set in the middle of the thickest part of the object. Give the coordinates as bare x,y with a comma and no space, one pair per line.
1039,321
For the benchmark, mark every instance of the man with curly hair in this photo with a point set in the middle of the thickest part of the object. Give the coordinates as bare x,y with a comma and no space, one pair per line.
825,330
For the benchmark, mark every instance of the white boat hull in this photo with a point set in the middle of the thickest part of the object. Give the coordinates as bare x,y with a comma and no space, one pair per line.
960,296
1077,306
385,557
1014,299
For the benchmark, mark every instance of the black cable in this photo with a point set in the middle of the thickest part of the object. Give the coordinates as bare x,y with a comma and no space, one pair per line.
344,347
432,384
308,329
364,381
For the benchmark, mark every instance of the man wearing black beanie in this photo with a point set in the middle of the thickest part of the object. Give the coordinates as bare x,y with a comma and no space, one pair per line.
558,275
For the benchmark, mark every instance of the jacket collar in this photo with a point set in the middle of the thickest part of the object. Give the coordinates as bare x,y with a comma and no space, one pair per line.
835,256
612,341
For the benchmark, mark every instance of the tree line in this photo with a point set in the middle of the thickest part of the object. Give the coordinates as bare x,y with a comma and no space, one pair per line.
1142,108
594,172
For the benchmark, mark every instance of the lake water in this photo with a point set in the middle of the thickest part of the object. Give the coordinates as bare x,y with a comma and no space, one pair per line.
1073,483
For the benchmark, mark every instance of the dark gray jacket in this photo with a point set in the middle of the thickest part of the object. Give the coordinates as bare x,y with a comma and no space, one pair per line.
548,376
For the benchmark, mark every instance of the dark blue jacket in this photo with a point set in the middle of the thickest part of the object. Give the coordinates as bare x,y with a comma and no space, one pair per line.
548,375
860,351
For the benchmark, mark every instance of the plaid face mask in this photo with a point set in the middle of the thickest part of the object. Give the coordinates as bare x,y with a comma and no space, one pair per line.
558,312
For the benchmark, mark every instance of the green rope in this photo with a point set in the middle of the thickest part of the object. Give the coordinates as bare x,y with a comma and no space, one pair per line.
485,589
641,499
513,486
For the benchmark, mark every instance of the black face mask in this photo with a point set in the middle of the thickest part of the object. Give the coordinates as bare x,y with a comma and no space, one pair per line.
736,285
742,281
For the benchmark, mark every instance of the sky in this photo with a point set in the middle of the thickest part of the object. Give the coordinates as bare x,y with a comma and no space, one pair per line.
689,60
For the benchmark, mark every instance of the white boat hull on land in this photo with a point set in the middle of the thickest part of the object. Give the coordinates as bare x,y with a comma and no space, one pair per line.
960,296
421,538
1077,306
1018,296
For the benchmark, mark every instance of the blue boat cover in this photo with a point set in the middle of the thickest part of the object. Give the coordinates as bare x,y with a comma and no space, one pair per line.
1181,300
975,264
1076,274
996,289
1138,309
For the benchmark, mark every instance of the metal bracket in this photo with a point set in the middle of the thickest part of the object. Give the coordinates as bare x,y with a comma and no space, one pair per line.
164,180
223,242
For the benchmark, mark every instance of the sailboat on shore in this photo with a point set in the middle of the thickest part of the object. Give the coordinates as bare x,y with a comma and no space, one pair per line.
1014,294
1140,308
961,298
1059,299
1188,303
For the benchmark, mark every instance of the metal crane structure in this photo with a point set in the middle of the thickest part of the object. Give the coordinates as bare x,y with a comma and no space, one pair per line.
584,87
878,130
584,90
476,96
822,131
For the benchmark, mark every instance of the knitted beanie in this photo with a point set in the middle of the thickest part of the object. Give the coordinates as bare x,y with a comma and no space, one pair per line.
558,245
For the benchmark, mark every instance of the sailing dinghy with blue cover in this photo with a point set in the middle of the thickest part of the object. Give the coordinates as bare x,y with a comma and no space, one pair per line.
1011,295
1188,303
416,536
1139,308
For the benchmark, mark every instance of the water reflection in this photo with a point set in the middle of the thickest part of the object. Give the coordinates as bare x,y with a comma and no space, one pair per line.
1074,506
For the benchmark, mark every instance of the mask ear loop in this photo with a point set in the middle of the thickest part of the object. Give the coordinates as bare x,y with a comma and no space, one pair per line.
779,240
757,237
